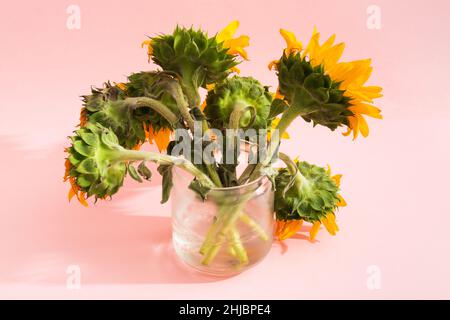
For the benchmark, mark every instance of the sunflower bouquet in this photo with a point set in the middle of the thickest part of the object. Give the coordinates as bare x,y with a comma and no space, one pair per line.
165,107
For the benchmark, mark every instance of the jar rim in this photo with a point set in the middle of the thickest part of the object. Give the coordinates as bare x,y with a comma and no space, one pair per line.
243,186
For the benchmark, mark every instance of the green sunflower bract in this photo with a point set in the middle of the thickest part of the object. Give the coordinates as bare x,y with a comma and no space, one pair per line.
236,92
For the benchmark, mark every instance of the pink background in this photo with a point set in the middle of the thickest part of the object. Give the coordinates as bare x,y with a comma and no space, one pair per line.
396,181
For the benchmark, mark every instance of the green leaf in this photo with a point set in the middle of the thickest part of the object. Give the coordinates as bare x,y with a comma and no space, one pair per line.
144,171
166,172
200,189
133,173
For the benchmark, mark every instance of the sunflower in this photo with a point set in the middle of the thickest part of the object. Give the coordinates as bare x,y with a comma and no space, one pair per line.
235,46
211,48
314,202
348,78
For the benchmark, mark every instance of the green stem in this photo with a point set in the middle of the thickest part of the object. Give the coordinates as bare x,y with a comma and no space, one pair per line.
286,119
226,220
237,245
290,164
177,93
156,105
122,154
255,226
292,167
237,116
247,173
191,92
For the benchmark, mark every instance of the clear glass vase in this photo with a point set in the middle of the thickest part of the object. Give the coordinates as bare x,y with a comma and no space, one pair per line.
229,232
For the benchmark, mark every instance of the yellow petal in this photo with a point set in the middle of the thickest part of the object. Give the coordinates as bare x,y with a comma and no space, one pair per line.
273,65
342,202
148,43
274,124
314,230
362,125
332,56
367,109
278,95
237,51
337,179
329,225
332,219
228,32
71,194
235,69
82,199
312,47
289,229
162,138
121,86
285,135
292,44
329,43
203,105
346,133
353,124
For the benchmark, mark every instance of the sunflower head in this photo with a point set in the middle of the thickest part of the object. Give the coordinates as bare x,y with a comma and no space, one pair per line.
311,92
238,92
309,194
108,106
152,85
193,55
89,167
323,90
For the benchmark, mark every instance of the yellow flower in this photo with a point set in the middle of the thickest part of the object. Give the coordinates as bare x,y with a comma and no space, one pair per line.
235,45
352,77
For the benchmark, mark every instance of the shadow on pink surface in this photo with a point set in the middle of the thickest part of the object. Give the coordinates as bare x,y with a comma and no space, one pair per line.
41,234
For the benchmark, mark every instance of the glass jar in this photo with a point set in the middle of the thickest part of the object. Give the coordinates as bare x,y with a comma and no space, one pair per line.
228,232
